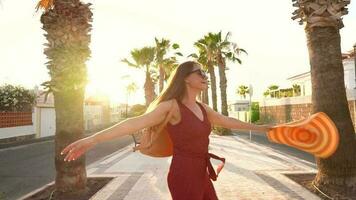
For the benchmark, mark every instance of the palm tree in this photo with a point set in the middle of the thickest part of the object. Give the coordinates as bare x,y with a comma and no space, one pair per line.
67,24
243,90
202,59
143,58
296,90
225,51
266,93
163,62
206,51
323,24
130,88
170,64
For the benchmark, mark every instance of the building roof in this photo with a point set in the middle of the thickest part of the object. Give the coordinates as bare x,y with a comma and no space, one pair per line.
239,102
350,54
40,98
298,75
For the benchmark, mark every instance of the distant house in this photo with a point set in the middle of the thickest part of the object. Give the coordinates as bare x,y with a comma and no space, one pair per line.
239,109
304,79
96,112
118,112
294,108
42,121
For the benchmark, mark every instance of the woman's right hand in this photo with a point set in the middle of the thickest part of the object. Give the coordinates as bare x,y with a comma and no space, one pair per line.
77,148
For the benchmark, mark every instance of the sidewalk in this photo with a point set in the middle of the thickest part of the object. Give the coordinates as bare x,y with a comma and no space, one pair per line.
251,172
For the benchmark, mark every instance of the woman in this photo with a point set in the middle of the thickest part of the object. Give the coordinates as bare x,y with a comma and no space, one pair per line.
189,129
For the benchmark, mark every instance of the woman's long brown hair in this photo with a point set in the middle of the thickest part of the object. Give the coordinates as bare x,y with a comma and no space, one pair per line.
175,87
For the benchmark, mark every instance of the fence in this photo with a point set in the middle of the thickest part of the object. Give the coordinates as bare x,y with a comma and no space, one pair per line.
12,119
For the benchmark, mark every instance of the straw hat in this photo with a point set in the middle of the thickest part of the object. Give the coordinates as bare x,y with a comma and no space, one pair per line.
317,135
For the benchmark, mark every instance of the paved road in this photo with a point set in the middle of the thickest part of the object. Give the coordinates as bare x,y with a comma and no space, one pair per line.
283,149
28,167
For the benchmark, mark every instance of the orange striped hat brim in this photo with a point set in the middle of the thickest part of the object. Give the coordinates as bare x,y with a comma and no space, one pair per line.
317,135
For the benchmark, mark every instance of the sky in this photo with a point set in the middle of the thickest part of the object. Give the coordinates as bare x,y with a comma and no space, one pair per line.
276,45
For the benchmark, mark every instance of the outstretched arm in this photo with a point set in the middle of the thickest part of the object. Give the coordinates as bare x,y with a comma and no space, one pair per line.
131,125
218,119
134,124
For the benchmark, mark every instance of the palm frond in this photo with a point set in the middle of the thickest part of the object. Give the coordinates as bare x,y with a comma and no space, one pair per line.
193,55
130,63
175,46
44,4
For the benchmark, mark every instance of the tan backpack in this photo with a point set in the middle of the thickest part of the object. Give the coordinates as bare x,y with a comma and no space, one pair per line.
155,141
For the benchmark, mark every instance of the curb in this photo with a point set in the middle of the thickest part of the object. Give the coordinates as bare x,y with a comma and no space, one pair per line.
254,134
35,191
24,142
52,183
32,141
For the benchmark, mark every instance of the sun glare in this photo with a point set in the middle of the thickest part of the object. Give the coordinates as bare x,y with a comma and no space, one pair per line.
111,82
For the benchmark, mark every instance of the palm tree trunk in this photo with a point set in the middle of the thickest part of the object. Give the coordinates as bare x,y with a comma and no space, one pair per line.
67,26
161,78
329,96
205,96
71,176
149,88
213,85
223,85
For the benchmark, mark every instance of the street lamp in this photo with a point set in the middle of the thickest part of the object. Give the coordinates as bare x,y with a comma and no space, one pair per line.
355,62
250,93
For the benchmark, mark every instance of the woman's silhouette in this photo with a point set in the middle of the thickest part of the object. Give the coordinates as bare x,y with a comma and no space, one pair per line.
189,129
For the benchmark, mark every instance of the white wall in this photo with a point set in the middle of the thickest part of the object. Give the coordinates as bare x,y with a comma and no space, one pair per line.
44,122
285,101
243,114
349,78
93,116
18,130
47,122
240,115
349,68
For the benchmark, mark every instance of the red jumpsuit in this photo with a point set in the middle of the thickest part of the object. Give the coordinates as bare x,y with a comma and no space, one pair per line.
190,169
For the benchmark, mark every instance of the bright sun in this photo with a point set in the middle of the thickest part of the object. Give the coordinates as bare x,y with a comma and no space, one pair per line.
112,83
101,88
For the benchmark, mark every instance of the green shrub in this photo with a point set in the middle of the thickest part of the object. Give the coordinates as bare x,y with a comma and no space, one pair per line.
255,112
16,99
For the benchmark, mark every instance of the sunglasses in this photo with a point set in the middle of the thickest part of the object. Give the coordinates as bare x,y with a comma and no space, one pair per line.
201,72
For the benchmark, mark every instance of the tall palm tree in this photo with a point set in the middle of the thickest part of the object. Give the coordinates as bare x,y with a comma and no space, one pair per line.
67,24
206,49
143,58
243,90
225,51
130,89
296,90
170,64
202,59
164,63
323,24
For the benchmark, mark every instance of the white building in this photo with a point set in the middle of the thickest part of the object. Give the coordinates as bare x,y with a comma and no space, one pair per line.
118,112
96,115
240,110
304,79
